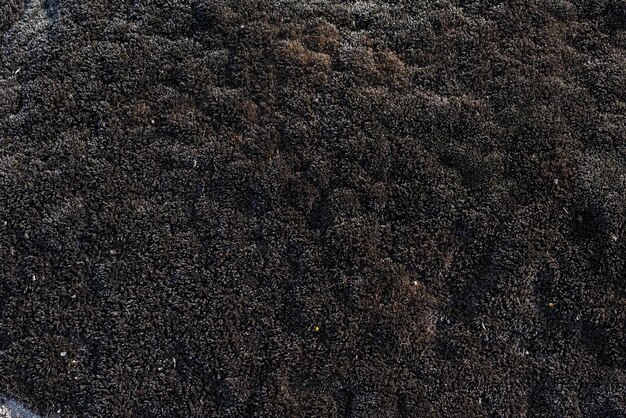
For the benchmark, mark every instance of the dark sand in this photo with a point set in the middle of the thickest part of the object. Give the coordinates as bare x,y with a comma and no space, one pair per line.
325,208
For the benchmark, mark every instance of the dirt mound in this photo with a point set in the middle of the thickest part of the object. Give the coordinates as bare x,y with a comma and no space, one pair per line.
280,208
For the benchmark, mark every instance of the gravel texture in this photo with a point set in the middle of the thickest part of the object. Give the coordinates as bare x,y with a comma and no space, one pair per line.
11,409
279,208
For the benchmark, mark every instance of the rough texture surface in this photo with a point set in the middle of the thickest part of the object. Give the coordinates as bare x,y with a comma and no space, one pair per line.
326,208
11,409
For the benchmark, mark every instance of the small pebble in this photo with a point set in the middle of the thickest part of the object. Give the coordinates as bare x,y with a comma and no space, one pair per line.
63,353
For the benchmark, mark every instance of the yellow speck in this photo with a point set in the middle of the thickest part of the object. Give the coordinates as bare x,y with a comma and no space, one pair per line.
316,328
551,305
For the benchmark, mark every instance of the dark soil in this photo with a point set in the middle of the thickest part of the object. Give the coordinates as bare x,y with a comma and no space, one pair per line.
280,208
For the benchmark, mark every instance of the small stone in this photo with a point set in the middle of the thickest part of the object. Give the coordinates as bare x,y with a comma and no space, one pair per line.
63,353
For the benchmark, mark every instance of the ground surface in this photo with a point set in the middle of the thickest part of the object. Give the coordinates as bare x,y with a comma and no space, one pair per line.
326,208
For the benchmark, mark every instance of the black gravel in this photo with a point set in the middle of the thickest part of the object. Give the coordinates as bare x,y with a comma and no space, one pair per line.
280,208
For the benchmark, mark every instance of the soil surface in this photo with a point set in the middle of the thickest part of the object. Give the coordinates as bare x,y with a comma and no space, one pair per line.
280,208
